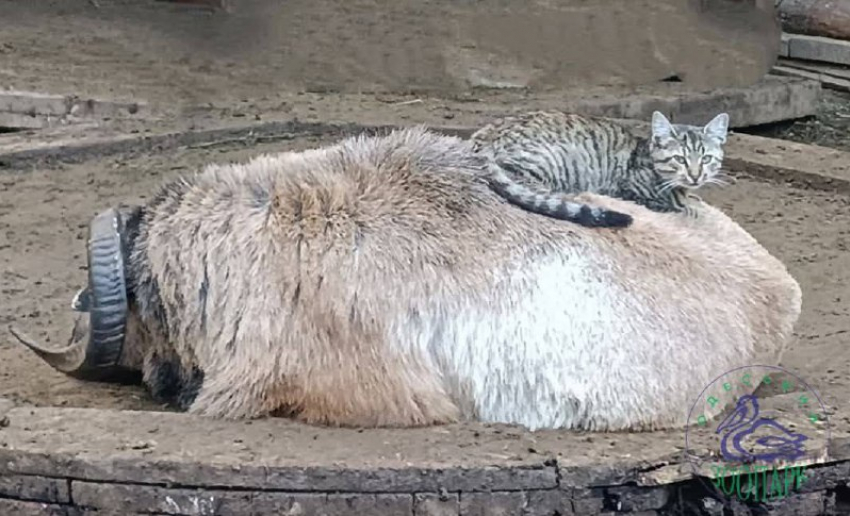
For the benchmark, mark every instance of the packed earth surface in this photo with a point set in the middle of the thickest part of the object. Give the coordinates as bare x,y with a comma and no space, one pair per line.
45,210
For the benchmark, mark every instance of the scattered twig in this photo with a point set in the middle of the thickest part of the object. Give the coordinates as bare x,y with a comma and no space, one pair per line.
245,140
407,102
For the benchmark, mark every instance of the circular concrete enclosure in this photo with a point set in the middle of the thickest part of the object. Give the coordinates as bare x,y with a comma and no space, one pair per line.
87,446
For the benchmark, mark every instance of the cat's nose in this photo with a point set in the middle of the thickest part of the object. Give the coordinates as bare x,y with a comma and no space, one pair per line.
694,176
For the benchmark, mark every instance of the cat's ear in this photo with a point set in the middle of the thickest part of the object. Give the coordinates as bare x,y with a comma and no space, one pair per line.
718,127
662,129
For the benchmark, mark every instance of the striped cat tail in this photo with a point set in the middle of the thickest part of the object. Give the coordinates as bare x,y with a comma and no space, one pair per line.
553,204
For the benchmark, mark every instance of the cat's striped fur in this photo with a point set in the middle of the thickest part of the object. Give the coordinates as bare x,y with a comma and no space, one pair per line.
536,159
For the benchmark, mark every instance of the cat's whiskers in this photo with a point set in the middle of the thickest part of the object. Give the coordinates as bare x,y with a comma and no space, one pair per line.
730,179
717,181
668,185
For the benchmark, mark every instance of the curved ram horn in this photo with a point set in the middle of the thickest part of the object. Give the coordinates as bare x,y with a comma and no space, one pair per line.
82,301
67,359
105,300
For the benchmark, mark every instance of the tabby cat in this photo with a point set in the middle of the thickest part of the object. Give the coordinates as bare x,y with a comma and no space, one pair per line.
536,159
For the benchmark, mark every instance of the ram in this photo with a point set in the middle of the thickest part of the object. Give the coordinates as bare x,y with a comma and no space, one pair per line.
380,282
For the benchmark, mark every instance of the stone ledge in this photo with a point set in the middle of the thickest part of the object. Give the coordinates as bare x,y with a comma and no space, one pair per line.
87,461
691,497
817,48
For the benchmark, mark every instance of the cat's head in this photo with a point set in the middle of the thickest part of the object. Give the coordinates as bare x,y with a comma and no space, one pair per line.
685,155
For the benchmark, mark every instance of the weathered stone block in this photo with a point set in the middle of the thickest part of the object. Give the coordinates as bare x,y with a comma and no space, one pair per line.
128,497
432,504
22,508
634,499
333,504
407,480
799,504
588,501
816,48
548,503
509,503
590,476
39,489
821,477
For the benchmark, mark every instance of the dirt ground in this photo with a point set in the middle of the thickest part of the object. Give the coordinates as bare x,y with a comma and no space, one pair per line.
44,212
146,49
830,127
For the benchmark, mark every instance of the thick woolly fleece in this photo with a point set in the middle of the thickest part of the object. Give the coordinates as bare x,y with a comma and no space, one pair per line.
380,281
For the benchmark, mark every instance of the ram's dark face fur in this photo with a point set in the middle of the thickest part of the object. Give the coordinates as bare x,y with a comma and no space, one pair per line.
108,341
96,345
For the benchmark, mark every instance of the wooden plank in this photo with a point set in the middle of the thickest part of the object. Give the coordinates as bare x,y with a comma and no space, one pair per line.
839,71
828,18
220,5
28,110
818,48
827,80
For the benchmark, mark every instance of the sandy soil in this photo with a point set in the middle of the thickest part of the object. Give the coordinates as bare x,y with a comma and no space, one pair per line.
44,213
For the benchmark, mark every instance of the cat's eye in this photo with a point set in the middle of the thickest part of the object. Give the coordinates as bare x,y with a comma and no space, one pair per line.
707,159
680,159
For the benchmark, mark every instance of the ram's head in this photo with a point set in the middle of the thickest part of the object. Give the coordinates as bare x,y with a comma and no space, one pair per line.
97,341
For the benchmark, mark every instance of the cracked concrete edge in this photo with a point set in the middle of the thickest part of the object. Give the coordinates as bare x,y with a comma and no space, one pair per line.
37,495
36,442
118,500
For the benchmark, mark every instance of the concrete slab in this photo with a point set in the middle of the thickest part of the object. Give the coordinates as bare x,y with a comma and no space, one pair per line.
179,464
818,48
827,80
790,162
784,44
